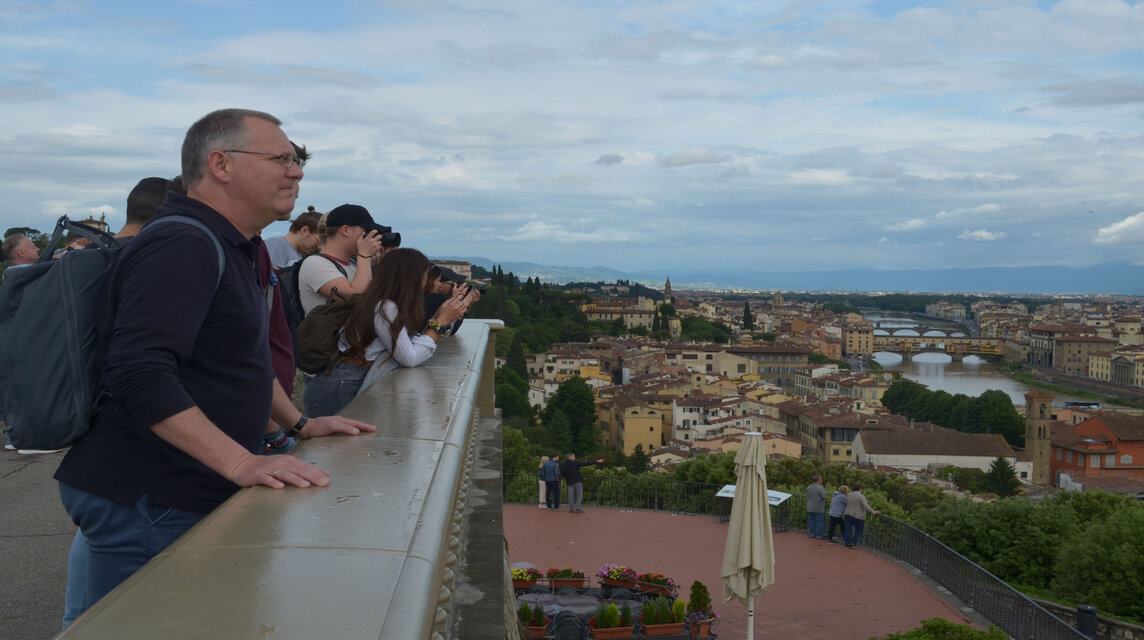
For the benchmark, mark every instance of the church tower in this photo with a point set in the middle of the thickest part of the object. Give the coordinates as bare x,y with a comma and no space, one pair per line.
667,292
1039,434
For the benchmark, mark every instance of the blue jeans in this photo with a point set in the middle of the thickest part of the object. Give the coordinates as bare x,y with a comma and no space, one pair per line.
552,494
328,393
854,529
815,523
75,596
117,541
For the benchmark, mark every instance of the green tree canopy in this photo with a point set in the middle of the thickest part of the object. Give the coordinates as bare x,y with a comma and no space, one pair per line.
575,401
638,462
1001,479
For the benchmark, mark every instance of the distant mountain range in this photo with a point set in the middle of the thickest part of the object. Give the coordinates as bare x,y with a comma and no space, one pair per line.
1113,278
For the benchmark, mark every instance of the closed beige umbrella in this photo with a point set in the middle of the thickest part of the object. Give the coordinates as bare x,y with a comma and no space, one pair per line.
749,557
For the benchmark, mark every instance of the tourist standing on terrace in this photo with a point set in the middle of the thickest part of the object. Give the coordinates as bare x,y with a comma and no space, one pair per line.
190,387
574,480
20,251
300,241
550,474
856,510
816,508
543,487
837,511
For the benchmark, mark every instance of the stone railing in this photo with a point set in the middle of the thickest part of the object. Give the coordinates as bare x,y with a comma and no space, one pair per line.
380,553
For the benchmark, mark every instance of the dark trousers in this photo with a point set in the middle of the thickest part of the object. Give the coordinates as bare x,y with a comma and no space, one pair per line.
835,521
552,494
854,529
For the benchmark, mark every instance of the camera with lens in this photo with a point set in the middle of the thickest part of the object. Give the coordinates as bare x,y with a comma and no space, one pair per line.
389,238
478,286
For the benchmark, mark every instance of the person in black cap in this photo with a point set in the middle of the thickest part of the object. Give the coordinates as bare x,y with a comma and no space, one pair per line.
351,235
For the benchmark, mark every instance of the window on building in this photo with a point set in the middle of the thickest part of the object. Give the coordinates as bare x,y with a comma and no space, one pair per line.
651,429
848,452
1110,460
1058,454
709,356
742,368
1068,456
1126,459
835,451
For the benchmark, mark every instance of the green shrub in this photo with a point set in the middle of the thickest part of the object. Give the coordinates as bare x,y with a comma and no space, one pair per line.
941,629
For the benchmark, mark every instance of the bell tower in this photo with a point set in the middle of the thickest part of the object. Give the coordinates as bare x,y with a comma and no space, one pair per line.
667,292
1039,435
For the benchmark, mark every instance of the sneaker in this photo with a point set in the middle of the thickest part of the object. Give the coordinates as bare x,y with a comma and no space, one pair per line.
829,541
31,452
8,446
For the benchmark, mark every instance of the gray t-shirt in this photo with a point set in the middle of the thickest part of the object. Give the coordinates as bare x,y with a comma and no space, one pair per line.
282,253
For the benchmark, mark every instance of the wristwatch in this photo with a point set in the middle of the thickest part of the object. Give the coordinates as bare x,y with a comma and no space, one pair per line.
298,426
441,329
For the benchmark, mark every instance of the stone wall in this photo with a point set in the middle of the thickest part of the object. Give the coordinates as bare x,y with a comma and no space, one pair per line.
1106,629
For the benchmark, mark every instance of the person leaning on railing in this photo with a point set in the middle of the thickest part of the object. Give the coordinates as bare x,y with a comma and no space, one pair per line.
386,326
856,510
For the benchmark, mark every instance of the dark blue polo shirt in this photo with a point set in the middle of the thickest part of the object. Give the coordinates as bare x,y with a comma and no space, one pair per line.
173,341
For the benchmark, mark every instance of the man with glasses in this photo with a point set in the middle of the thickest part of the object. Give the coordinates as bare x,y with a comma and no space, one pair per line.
188,378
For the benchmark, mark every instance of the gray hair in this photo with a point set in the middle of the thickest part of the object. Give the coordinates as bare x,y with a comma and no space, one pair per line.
222,129
11,243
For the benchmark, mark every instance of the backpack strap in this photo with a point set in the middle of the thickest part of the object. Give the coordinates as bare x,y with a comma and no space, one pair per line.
205,229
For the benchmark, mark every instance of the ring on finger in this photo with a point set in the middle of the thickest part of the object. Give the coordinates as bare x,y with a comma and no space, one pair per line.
276,472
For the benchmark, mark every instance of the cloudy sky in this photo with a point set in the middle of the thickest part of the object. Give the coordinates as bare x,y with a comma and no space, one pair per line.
659,135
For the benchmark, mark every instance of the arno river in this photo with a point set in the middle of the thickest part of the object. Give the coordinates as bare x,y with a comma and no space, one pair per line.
973,376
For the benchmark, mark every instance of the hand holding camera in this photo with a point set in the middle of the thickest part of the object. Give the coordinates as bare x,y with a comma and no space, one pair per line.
369,244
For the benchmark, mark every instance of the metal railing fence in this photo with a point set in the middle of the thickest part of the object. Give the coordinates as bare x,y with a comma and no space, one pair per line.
1001,604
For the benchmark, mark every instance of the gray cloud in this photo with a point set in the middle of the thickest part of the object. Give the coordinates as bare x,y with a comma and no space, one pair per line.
609,159
692,155
1097,94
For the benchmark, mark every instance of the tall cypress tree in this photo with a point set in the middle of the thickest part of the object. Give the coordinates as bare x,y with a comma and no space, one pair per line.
515,358
748,319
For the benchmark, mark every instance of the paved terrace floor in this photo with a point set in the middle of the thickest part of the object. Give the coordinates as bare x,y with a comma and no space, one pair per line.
822,591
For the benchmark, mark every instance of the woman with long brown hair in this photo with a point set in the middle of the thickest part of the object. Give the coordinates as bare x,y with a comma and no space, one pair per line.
387,322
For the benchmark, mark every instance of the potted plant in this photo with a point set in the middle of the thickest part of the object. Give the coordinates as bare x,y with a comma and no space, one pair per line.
660,618
614,575
535,628
566,578
700,615
656,583
524,578
608,622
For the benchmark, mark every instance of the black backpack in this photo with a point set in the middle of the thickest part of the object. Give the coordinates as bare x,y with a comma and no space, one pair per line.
50,355
292,299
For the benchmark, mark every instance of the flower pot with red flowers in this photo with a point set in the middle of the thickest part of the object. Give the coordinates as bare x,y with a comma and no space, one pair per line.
614,575
611,622
566,578
656,583
660,618
524,578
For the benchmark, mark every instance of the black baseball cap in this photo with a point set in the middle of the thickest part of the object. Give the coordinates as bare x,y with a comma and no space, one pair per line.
353,215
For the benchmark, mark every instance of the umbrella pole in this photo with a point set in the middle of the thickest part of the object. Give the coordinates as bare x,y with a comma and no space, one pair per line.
751,619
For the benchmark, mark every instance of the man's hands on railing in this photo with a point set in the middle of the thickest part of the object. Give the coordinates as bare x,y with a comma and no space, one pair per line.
277,471
330,425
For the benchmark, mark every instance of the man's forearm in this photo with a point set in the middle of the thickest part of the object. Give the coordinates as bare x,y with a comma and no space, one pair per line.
191,432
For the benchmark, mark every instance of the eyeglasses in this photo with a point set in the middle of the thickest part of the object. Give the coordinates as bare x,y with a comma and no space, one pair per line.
283,159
